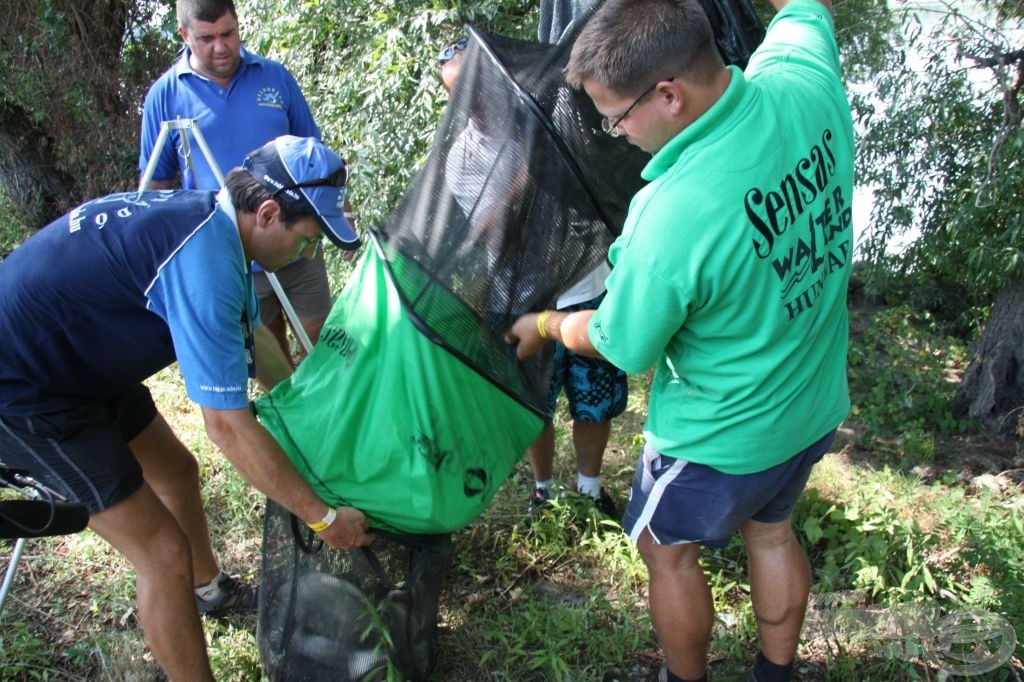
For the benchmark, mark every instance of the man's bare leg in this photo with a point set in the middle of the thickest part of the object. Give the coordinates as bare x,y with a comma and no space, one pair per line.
589,439
541,454
171,471
142,529
780,583
681,606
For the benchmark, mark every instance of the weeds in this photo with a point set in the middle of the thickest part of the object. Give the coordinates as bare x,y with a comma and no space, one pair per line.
12,229
550,608
903,375
561,595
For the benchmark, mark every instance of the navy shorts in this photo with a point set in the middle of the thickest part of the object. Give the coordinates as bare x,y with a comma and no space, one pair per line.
596,389
682,502
82,453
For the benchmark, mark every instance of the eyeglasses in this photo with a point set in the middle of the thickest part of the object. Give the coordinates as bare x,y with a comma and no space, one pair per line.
610,127
448,53
337,179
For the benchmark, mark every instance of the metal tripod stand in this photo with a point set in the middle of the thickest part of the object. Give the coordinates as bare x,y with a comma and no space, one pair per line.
190,125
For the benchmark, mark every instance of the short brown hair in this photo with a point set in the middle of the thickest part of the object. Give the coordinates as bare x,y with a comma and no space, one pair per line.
629,44
209,11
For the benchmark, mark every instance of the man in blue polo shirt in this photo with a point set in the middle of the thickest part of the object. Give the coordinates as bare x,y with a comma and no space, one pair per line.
240,101
117,289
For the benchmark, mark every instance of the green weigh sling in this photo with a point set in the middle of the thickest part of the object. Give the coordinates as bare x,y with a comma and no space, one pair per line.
412,408
381,418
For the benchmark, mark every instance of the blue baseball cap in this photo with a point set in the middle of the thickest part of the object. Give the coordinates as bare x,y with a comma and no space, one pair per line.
304,170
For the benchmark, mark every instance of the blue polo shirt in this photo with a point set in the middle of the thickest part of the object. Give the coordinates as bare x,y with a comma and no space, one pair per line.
119,288
262,102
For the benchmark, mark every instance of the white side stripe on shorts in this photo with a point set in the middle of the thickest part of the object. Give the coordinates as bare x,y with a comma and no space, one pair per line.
654,497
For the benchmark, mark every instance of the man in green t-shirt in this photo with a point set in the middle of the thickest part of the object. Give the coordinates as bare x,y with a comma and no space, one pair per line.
730,279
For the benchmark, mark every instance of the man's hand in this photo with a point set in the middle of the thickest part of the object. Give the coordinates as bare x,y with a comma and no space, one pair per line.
525,336
569,329
348,530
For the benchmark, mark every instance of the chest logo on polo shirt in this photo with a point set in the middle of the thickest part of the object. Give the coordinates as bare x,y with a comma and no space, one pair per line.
270,97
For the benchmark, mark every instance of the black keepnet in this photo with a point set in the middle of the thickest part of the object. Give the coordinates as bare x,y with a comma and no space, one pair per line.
519,198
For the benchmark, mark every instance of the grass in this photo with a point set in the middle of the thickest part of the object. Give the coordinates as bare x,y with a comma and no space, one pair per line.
909,508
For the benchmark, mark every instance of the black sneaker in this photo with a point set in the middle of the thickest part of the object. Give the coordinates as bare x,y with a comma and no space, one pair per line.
606,505
539,498
235,596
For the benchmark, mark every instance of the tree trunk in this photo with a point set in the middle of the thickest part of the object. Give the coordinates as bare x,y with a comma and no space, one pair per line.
38,192
993,385
70,92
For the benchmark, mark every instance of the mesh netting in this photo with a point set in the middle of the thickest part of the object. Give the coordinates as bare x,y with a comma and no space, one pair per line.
738,30
340,616
519,198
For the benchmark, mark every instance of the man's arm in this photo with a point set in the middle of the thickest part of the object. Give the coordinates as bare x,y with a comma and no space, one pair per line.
272,367
569,329
260,460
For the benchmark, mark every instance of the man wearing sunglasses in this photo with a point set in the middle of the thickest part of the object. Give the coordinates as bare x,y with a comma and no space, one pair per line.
240,100
116,290
730,279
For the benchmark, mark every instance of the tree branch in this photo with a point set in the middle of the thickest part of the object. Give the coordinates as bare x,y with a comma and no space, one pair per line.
1002,59
1011,109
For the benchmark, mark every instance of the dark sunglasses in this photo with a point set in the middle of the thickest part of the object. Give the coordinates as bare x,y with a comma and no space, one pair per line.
337,179
448,53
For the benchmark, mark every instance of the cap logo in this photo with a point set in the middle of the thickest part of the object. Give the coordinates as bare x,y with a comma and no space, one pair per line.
309,174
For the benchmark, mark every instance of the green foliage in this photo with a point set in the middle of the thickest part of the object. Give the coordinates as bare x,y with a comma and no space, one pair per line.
863,30
11,231
990,533
903,377
26,656
369,72
867,543
71,86
885,541
941,146
551,596
233,653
